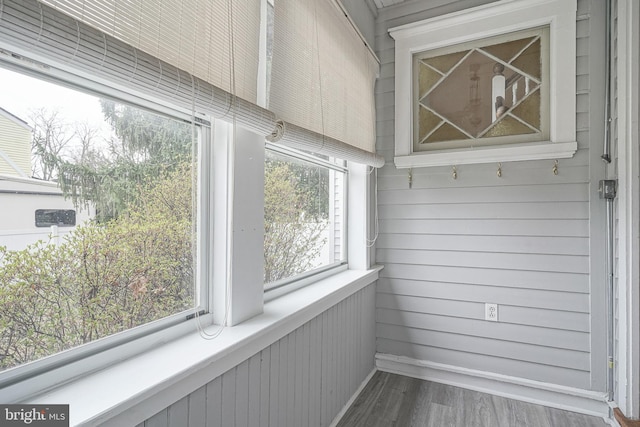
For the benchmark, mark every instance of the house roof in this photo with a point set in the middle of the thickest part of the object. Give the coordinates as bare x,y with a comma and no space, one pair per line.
20,185
15,119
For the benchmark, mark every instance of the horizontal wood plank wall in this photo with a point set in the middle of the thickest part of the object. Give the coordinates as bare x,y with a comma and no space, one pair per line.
304,379
521,241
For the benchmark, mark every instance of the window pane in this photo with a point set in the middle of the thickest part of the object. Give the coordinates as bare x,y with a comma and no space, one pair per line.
479,91
304,217
59,217
112,245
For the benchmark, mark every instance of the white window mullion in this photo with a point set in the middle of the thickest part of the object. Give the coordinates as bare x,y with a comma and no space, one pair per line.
239,224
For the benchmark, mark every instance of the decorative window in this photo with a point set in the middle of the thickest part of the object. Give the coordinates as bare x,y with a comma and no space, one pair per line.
490,92
491,83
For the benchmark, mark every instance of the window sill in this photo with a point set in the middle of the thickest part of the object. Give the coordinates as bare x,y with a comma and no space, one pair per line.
134,390
490,154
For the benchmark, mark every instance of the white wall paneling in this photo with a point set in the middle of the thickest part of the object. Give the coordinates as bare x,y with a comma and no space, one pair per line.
530,241
591,52
303,379
626,118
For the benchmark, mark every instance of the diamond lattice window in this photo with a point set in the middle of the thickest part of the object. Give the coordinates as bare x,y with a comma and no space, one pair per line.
490,92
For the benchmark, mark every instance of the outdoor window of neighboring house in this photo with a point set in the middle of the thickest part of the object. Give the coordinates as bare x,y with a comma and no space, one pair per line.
304,215
55,217
130,261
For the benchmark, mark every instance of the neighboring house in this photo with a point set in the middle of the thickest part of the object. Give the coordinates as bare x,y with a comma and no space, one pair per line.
35,210
32,209
15,145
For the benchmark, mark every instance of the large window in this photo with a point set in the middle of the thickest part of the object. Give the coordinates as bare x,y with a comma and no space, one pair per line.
304,215
171,230
128,258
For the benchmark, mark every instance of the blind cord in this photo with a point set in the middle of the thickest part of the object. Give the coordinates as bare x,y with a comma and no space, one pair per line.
371,242
376,231
315,16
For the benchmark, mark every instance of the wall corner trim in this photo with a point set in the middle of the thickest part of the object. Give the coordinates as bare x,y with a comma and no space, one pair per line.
552,395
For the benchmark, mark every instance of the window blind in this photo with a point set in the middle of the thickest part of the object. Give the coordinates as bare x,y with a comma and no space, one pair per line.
192,35
43,40
322,75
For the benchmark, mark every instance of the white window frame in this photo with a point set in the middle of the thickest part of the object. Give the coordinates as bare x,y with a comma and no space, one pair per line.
28,379
234,292
108,365
289,284
493,19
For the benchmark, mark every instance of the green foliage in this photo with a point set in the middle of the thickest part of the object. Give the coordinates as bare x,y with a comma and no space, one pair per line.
147,137
148,146
293,237
102,279
135,263
311,183
109,277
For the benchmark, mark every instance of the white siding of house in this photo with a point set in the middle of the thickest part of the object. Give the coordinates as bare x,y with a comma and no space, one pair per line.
304,379
15,143
24,196
530,241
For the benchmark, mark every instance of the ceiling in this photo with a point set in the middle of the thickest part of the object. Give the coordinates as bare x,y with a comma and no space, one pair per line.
384,3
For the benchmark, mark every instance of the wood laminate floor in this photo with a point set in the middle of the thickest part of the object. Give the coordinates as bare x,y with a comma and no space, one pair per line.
395,400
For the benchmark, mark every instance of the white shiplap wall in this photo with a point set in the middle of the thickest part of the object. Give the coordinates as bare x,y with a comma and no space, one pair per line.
304,379
529,241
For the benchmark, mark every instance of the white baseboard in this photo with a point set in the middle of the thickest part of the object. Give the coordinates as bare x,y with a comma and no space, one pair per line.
552,395
353,398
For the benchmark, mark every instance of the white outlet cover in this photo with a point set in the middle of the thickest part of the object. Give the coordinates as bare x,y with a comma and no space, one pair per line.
491,312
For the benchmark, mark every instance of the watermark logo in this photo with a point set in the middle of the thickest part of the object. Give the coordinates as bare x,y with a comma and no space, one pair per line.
34,415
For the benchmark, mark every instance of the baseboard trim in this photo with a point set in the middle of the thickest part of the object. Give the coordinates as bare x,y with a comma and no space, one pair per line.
353,398
555,396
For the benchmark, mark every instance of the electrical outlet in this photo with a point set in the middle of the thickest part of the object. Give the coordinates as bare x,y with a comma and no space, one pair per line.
491,312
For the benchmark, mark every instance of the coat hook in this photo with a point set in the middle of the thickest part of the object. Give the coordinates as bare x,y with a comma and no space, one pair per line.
499,172
555,168
455,173
410,178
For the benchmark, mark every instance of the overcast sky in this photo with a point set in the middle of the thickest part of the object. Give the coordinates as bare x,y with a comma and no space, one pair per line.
21,94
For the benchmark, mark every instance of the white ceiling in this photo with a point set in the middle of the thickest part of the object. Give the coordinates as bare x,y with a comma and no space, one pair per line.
384,3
